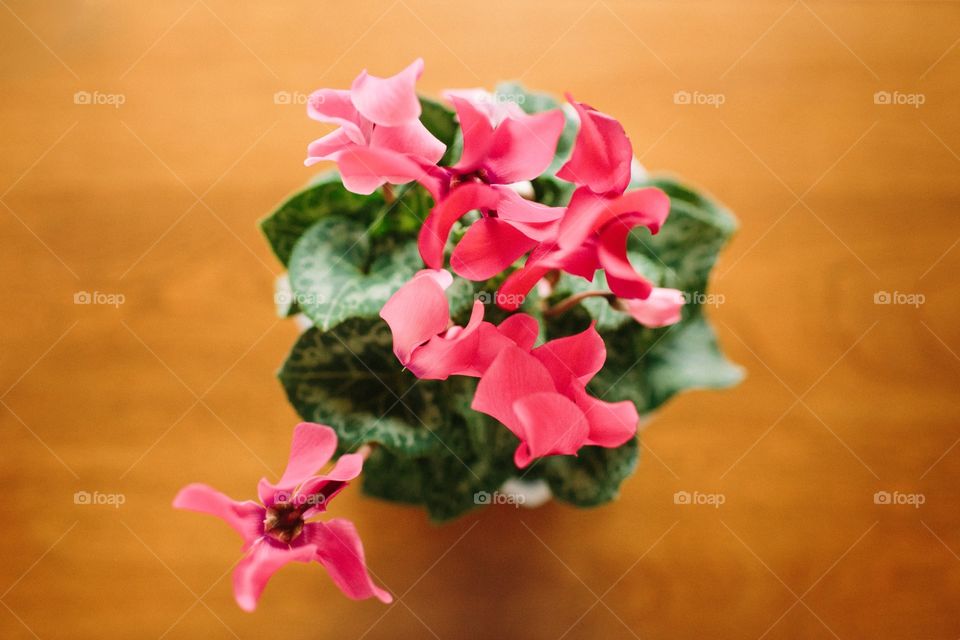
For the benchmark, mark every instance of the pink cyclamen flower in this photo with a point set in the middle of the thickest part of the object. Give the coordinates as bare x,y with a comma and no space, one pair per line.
275,531
661,308
501,146
431,347
540,395
381,117
602,153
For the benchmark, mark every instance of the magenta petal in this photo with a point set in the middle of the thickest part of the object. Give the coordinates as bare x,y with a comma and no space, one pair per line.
622,278
611,423
334,106
452,354
388,101
512,375
523,146
660,309
586,212
436,228
518,284
347,468
535,220
488,247
246,518
417,312
262,561
579,356
410,138
312,447
602,153
552,425
339,549
522,329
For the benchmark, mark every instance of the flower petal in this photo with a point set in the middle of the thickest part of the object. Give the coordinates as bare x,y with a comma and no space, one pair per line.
364,169
246,518
410,138
552,425
388,101
334,106
611,423
477,135
513,374
579,357
523,146
417,312
523,329
339,549
436,228
622,278
660,309
312,447
443,356
488,247
328,147
265,558
320,490
589,212
602,153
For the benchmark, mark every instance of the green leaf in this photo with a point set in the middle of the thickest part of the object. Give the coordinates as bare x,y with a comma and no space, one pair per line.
323,197
335,275
593,477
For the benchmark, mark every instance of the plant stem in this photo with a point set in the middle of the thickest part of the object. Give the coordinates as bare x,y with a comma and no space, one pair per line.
568,303
388,195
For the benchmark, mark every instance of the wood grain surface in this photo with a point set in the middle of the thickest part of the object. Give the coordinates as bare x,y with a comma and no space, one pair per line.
157,198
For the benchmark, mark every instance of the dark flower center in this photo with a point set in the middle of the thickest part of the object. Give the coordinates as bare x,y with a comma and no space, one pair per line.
284,521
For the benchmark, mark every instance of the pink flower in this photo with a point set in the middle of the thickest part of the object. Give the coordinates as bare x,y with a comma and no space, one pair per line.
431,347
501,146
540,395
275,531
591,235
381,138
602,153
660,309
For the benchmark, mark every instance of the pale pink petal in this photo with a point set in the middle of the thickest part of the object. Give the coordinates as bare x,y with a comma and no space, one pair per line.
364,169
265,558
662,308
328,147
495,108
579,356
487,248
602,153
410,138
417,312
246,518
523,146
436,228
339,549
388,101
512,375
622,278
334,106
451,354
477,135
552,425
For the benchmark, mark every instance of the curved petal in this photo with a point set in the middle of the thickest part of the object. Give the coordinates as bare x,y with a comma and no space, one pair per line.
262,561
523,147
410,138
579,356
602,153
660,309
436,228
494,107
535,220
552,425
512,375
388,101
417,312
442,356
589,212
318,491
477,135
246,518
611,423
312,447
488,247
622,278
339,549
364,169
523,329
329,146
334,106
518,284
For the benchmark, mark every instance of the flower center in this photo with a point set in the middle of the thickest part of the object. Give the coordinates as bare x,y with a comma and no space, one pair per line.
283,521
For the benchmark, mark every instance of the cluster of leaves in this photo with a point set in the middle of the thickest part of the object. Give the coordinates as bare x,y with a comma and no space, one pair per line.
347,253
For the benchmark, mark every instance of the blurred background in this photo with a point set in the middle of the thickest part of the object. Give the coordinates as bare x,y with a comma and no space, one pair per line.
830,129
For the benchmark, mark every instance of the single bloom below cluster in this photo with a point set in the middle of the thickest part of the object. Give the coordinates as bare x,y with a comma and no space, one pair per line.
537,392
